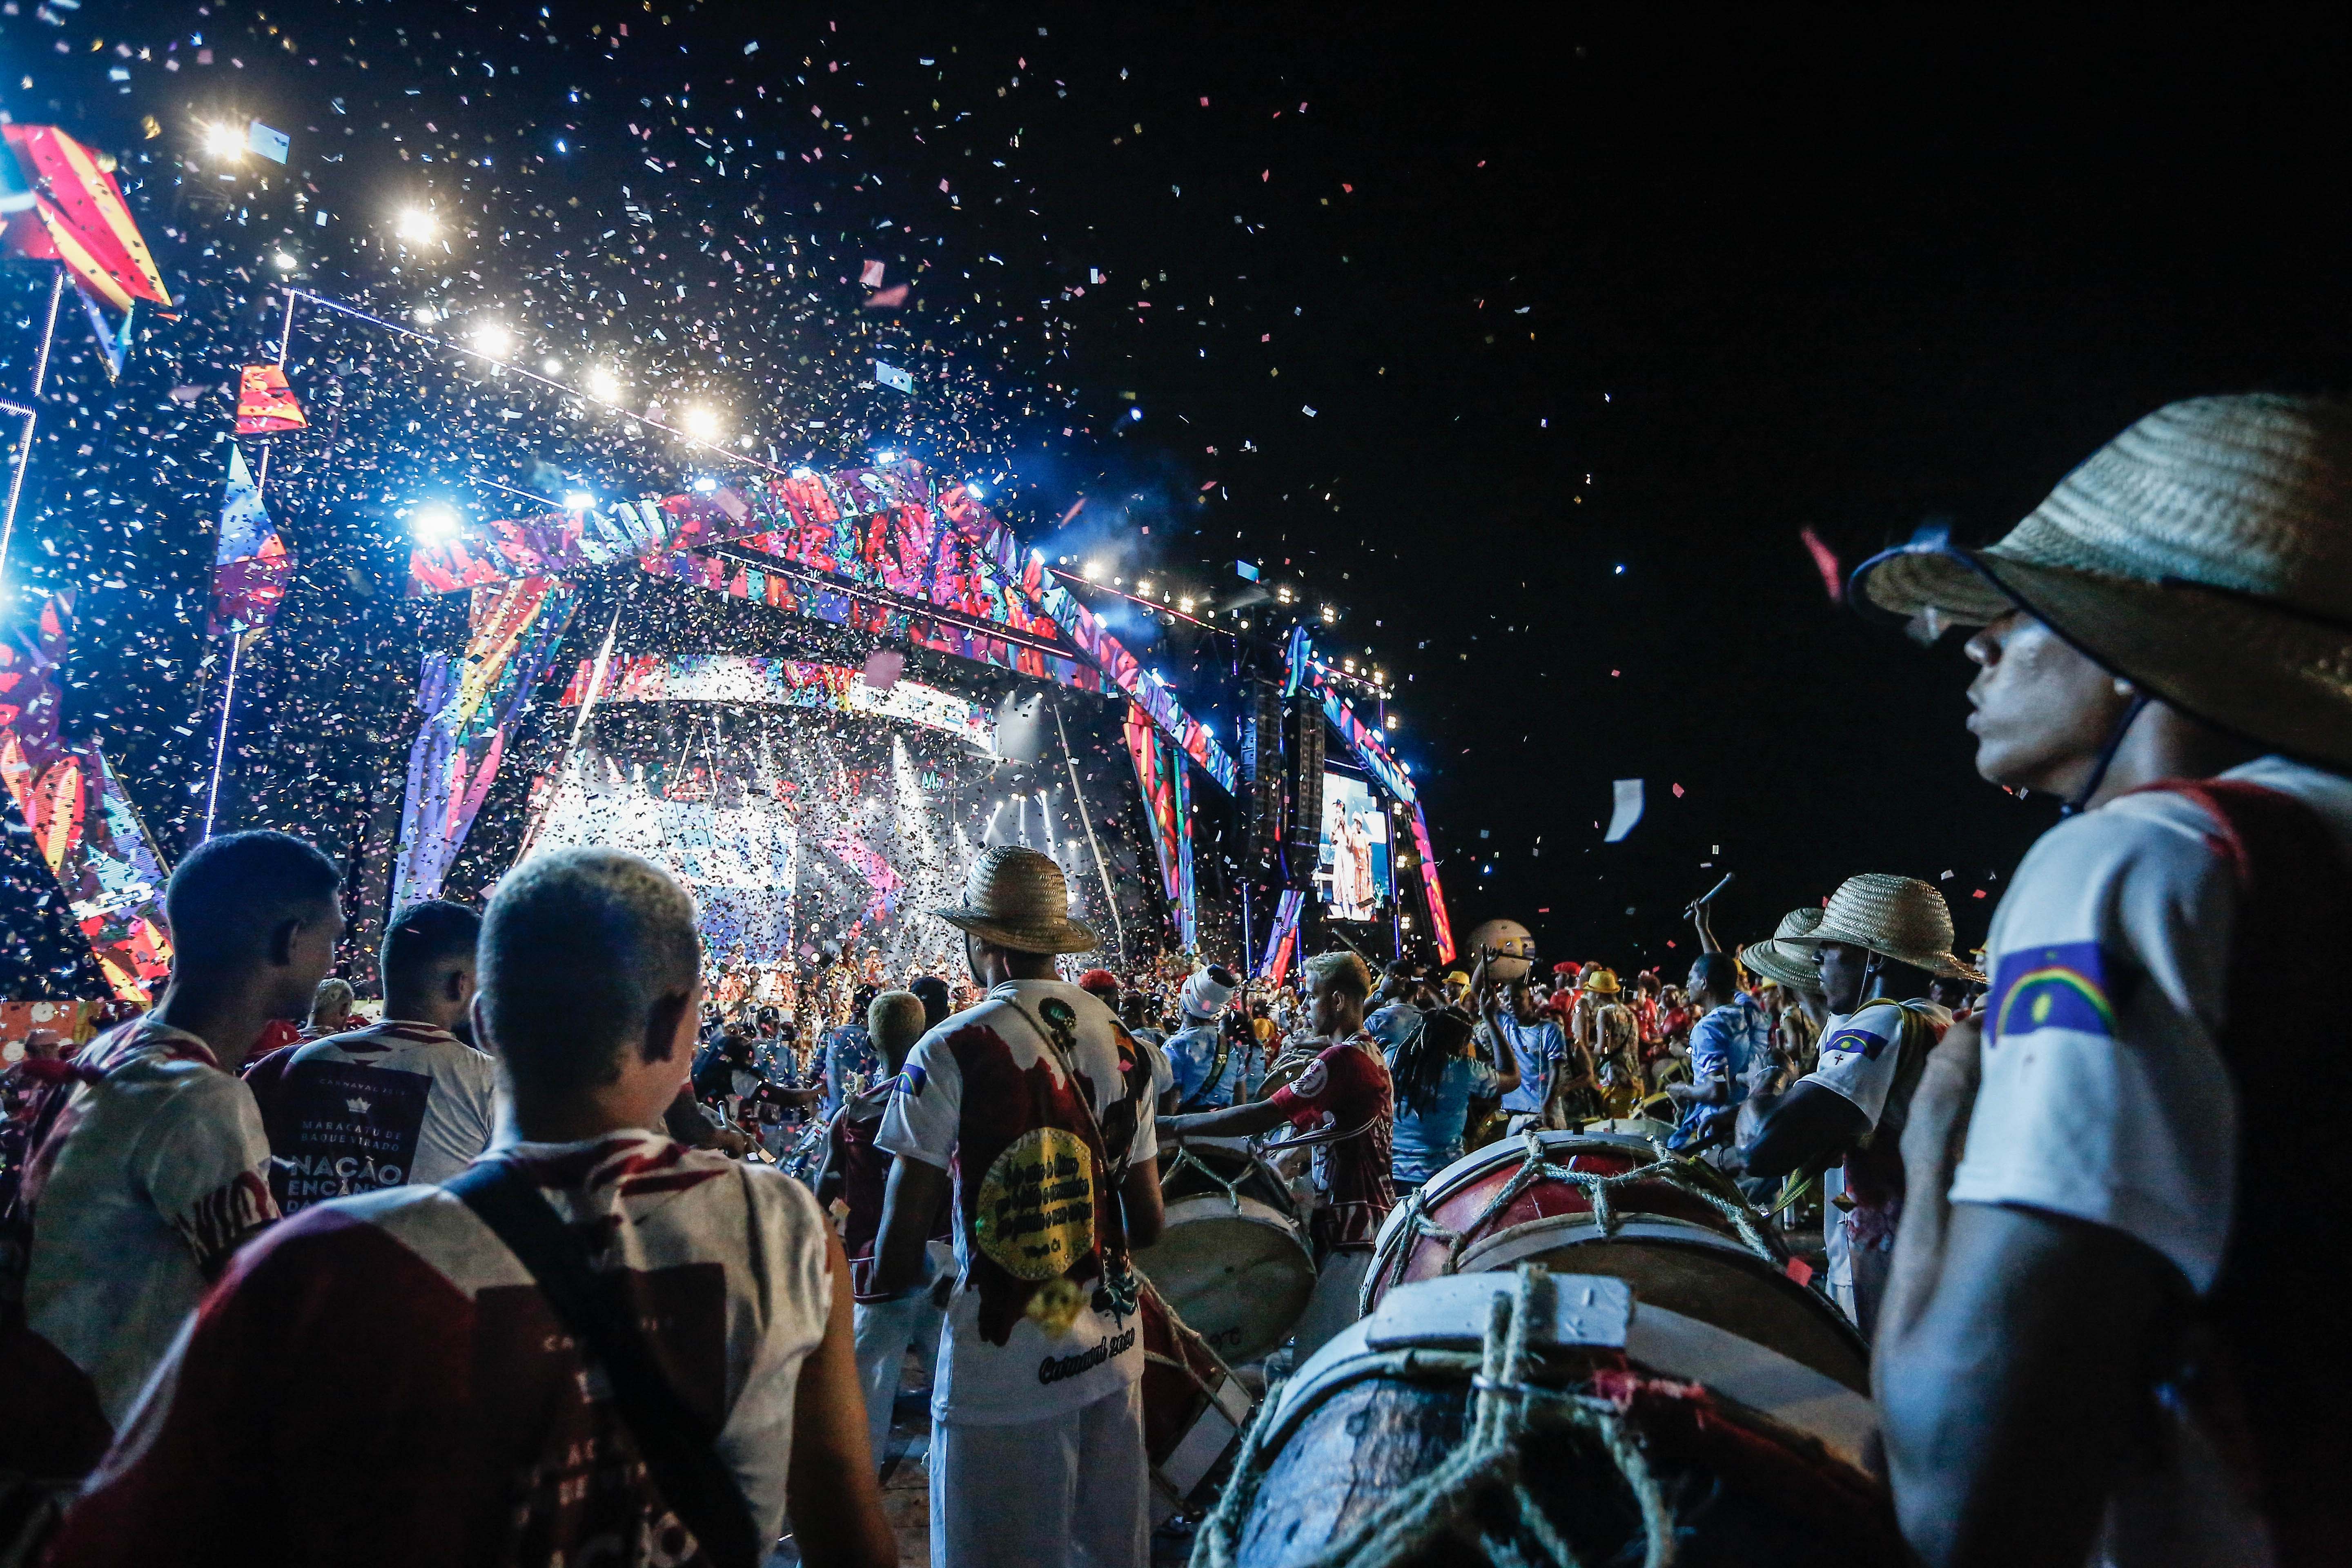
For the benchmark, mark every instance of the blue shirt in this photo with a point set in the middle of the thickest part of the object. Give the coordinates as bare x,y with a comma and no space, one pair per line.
1427,1141
1393,1025
847,1050
1192,1052
1535,1046
1726,1041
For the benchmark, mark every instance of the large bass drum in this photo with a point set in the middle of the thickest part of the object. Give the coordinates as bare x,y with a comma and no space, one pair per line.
1554,1419
1194,1409
1618,1205
1232,1258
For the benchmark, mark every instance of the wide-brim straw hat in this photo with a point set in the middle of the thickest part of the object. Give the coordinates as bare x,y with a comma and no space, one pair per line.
1601,982
2204,554
1776,960
1900,918
1017,899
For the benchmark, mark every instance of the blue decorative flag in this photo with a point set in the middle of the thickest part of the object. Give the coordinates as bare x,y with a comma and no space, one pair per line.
251,569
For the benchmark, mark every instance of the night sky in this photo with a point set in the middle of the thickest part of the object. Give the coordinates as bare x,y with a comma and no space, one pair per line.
1530,349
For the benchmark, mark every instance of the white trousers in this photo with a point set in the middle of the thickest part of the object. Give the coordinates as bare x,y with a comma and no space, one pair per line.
884,1332
1071,1492
1337,1284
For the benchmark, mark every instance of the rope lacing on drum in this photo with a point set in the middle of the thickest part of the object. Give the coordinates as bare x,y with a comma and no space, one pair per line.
1416,1225
1185,1157
1505,1408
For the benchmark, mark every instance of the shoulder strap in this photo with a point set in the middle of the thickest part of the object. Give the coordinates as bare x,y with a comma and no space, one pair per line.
676,1443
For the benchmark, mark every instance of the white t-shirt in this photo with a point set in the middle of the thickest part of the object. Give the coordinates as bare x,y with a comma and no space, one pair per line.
147,1181
379,1107
460,1422
1862,1056
2105,1096
986,1095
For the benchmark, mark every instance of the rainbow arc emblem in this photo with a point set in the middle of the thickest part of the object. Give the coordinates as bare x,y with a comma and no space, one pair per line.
2058,987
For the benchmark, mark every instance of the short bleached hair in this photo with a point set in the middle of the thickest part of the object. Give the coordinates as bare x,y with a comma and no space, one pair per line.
578,948
1343,970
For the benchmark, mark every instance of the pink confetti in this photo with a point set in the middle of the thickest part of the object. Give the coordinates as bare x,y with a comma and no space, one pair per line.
1825,559
1678,791
871,275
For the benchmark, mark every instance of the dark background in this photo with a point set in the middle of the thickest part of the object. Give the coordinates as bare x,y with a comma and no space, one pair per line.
1563,299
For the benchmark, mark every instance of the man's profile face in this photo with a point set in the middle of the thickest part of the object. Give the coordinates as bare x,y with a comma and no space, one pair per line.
1325,1004
1845,968
2043,711
309,956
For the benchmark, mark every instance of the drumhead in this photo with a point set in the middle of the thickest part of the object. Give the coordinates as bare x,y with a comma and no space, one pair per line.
1239,1277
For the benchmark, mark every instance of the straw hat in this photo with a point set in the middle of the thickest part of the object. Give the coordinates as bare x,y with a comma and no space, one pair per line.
2204,554
1016,898
1900,918
1601,982
1776,960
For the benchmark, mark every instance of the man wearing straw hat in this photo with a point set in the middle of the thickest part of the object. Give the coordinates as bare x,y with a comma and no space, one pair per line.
1882,940
2124,1326
1797,1018
1041,1106
1797,971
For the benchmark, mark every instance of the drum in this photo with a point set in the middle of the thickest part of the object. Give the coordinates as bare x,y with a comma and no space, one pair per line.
1231,1259
1194,1410
1676,1230
1505,1416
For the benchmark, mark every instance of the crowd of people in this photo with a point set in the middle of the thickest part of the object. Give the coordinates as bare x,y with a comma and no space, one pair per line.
571,1254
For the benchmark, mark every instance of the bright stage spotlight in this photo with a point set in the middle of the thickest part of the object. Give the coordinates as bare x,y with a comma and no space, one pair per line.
579,500
1092,571
551,365
432,523
414,226
701,422
493,340
222,140
603,386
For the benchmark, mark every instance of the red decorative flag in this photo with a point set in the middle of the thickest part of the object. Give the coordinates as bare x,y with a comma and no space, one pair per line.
265,403
56,204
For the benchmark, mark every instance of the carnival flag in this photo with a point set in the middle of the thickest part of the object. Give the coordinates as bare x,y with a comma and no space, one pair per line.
251,569
265,403
58,203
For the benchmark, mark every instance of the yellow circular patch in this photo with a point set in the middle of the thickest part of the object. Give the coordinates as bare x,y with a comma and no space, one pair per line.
1037,1211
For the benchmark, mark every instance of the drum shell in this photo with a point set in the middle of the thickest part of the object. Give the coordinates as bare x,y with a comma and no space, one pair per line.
1744,1493
1194,1410
1672,1247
